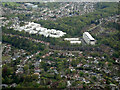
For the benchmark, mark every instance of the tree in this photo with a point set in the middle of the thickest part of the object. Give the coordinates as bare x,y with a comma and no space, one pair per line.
44,66
62,84
58,77
26,67
68,71
35,76
74,63
28,78
94,78
81,74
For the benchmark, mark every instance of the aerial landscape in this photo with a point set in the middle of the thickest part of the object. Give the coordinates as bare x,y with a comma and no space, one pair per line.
60,45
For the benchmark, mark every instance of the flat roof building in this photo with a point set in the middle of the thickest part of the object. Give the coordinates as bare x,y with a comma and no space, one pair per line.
88,38
71,39
75,42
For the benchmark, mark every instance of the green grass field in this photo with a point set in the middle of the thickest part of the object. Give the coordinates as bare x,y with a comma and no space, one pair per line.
10,4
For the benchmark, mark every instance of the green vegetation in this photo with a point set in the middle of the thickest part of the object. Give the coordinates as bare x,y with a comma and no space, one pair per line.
5,58
23,43
113,41
50,5
73,25
11,5
53,68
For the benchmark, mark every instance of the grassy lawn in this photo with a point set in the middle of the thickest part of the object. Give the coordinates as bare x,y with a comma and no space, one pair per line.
6,58
10,3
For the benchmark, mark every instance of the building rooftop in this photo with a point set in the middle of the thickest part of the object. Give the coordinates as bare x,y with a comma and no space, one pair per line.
71,39
90,37
74,42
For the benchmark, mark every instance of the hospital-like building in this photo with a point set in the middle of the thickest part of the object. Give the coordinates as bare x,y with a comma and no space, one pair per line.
88,38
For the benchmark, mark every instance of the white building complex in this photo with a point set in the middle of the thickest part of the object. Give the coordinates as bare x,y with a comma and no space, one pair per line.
88,38
35,28
30,5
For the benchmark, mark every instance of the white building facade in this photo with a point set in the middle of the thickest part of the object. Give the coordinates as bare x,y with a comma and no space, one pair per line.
73,40
88,38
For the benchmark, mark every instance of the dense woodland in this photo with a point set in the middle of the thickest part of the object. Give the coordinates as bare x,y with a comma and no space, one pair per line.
23,43
113,39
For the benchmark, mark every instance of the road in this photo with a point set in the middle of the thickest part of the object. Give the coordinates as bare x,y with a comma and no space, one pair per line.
95,26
